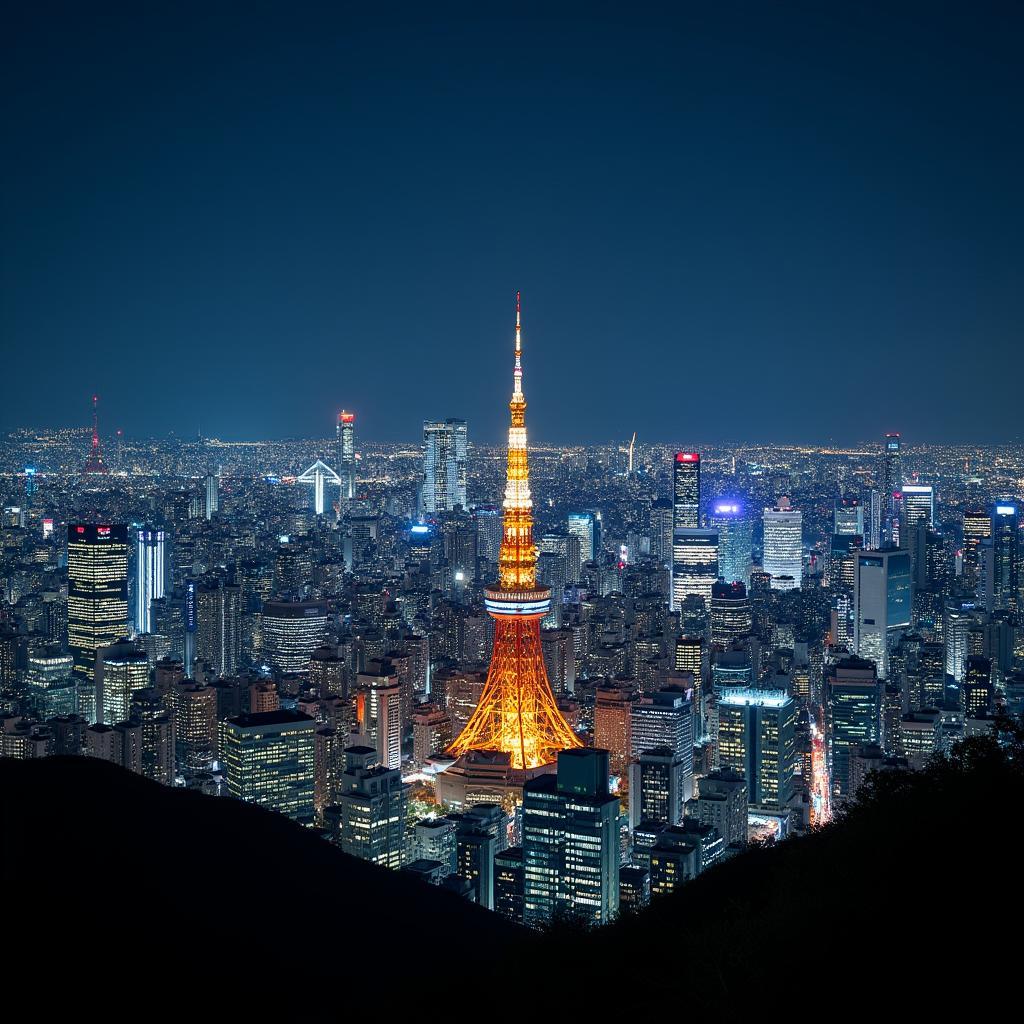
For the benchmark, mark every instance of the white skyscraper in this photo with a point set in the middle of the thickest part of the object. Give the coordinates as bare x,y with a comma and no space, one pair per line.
694,565
581,525
918,506
783,545
149,576
882,592
444,465
212,495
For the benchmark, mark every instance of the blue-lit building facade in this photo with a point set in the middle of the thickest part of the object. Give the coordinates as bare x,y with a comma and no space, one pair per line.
735,540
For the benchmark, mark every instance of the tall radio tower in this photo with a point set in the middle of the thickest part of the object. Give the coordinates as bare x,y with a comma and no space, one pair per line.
94,463
517,713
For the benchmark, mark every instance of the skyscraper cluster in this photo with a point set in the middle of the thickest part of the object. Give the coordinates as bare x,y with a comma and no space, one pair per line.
555,681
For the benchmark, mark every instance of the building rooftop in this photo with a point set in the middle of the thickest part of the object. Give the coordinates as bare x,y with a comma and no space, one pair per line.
263,719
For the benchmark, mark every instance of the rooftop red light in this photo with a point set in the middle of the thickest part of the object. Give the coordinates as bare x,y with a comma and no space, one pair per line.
687,456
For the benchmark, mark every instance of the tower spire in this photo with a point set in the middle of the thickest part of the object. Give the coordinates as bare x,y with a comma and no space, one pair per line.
517,712
517,373
94,463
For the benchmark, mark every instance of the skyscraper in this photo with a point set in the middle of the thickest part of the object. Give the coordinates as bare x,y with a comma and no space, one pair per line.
212,494
517,713
848,516
783,545
97,600
369,816
122,669
571,842
149,576
379,711
292,630
444,465
891,480
977,528
50,682
757,739
686,491
346,456
735,531
853,708
730,613
658,787
694,564
882,599
269,760
218,633
918,506
581,525
1005,557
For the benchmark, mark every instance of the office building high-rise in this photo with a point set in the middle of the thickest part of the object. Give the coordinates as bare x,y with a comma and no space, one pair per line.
976,691
853,710
783,545
959,620
757,739
292,630
509,884
368,819
1005,556
694,565
379,712
212,495
848,516
571,842
50,682
444,465
488,531
889,486
722,803
686,491
882,599
218,632
269,760
735,544
581,525
977,528
918,506
612,725
731,618
658,787
346,454
149,576
156,734
97,600
122,669
194,707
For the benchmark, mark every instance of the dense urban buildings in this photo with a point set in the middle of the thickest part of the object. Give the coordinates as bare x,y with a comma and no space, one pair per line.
554,685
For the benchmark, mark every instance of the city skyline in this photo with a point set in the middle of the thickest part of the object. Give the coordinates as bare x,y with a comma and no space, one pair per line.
326,651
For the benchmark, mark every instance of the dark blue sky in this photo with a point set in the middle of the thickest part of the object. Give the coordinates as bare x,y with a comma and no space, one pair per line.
729,221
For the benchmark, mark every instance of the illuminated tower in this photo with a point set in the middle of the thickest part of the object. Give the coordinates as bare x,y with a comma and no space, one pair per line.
517,713
347,453
149,576
97,600
94,463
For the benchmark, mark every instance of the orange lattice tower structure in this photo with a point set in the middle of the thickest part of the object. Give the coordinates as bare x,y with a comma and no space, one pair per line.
517,712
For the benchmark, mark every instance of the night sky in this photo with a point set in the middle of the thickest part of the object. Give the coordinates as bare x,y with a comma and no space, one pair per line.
761,222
